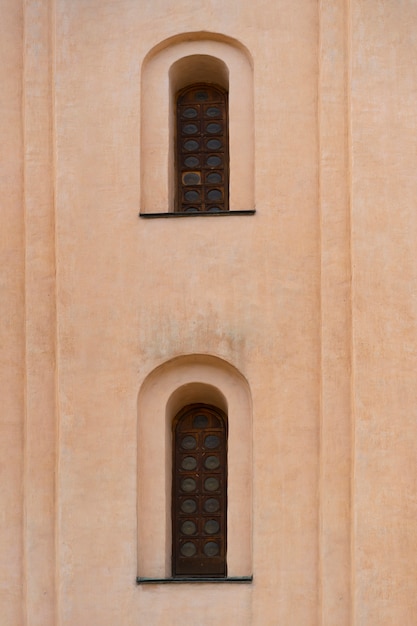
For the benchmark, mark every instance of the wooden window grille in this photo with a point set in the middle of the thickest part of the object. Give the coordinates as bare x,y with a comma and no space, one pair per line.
202,150
199,492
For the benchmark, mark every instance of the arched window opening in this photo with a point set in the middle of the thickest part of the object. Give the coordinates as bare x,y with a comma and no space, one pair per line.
189,59
202,149
165,394
199,492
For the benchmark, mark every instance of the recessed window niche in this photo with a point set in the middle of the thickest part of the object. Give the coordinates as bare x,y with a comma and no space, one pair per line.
171,66
179,383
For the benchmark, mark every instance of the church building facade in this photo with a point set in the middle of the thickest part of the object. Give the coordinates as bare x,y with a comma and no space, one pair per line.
209,313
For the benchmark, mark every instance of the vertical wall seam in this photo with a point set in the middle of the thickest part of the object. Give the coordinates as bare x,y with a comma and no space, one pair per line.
320,243
349,148
52,82
25,409
39,263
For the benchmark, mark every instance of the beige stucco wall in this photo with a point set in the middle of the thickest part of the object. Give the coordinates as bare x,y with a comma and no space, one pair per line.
311,301
12,315
384,229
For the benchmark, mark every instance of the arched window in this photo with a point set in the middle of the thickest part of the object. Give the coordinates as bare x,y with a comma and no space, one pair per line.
202,150
199,492
188,382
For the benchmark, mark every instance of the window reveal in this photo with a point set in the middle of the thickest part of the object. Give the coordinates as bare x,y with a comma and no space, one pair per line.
199,492
202,150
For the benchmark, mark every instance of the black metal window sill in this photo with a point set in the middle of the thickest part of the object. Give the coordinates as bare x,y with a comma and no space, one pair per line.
199,214
208,579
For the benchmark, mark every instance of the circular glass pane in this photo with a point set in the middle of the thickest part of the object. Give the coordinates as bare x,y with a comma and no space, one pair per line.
211,505
192,195
188,549
211,441
190,129
188,528
212,462
211,484
188,484
191,178
191,209
190,145
189,113
214,128
214,144
188,506
189,463
211,527
211,548
200,421
214,177
214,209
201,95
213,112
191,161
214,195
214,160
188,443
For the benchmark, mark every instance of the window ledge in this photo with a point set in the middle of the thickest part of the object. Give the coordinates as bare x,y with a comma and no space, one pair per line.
208,579
200,214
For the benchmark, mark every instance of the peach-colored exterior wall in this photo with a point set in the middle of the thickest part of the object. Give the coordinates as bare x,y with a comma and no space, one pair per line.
311,304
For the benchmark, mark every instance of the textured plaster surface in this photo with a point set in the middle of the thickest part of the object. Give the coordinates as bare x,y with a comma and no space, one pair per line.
12,315
312,300
384,230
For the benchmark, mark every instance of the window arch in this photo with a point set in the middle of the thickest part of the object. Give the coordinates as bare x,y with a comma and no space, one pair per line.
173,64
199,492
169,388
202,149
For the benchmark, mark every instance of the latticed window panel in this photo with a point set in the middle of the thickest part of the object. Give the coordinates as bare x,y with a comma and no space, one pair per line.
202,150
199,492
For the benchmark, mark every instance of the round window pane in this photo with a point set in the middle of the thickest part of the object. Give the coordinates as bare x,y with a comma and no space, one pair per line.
188,549
191,178
190,129
188,506
189,463
211,441
211,505
214,160
189,113
200,421
192,209
192,195
188,484
188,528
213,112
211,548
211,484
214,178
190,145
214,195
188,442
211,527
201,95
214,128
191,161
212,462
214,209
214,144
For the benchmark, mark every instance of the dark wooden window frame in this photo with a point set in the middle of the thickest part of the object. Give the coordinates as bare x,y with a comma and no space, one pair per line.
202,150
199,493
